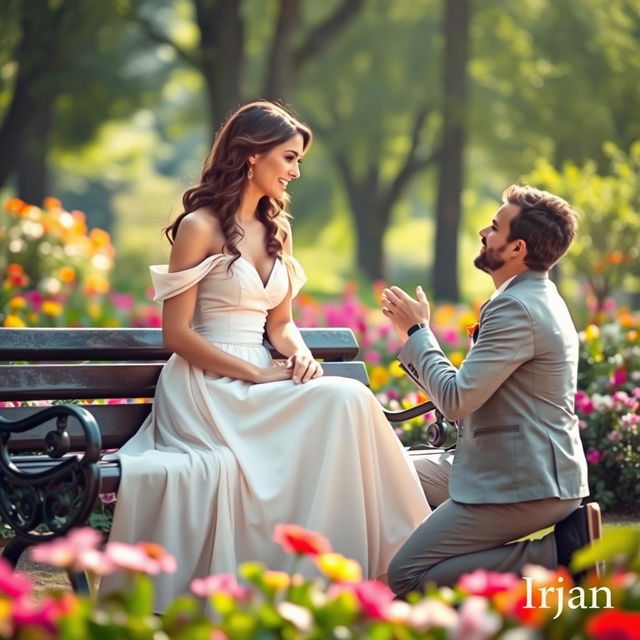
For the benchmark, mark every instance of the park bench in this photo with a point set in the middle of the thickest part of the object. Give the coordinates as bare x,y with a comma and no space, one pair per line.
52,465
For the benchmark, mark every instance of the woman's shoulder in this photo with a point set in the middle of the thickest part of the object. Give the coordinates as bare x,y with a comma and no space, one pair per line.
201,225
198,236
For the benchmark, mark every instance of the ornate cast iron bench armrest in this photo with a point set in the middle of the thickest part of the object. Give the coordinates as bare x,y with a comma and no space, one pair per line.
45,504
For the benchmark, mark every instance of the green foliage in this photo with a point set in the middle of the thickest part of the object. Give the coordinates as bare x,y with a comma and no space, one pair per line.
605,253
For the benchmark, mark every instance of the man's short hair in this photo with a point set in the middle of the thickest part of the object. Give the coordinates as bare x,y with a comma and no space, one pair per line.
547,223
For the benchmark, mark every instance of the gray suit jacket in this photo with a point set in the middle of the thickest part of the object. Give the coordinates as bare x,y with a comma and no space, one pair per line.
514,398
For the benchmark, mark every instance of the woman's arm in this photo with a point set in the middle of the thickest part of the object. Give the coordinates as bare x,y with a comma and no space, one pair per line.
285,336
192,245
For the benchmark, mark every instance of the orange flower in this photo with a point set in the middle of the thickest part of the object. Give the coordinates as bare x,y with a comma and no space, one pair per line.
16,205
52,203
17,303
67,274
614,257
99,238
296,539
472,328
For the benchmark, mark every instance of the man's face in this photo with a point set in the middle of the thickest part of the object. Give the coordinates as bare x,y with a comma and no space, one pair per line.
494,239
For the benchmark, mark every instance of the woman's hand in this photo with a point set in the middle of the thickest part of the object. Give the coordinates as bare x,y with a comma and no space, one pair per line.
305,368
280,370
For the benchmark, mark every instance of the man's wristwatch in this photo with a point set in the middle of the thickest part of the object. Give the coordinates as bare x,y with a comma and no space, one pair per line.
415,327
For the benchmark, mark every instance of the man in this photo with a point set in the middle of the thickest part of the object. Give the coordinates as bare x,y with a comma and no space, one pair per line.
519,465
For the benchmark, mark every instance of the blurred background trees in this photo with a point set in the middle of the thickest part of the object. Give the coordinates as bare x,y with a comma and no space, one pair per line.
424,110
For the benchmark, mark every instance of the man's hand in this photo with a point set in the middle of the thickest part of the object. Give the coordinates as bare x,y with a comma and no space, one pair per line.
403,310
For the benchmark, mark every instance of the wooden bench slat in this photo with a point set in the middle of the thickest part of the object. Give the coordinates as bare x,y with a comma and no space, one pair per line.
109,470
45,344
95,381
117,424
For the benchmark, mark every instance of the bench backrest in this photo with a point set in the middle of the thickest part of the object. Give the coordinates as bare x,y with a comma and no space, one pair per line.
113,367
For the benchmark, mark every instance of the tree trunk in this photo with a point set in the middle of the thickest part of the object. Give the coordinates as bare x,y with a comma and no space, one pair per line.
279,72
369,245
32,167
32,56
456,53
222,56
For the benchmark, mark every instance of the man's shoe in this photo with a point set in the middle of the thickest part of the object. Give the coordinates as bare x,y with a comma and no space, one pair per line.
578,529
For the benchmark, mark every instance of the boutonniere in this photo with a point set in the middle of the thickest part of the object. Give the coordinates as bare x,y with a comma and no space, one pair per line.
472,329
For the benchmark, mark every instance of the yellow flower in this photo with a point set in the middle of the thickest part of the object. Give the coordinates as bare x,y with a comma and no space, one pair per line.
395,370
456,358
276,579
338,568
443,314
379,377
14,322
599,357
51,308
96,284
466,319
94,310
17,303
632,335
32,318
591,333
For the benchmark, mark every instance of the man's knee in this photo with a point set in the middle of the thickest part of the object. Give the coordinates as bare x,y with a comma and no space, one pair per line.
403,576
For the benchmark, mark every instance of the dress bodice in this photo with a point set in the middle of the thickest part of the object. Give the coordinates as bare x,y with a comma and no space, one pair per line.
232,301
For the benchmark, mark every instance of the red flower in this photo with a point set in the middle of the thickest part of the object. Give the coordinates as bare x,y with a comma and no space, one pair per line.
296,539
614,625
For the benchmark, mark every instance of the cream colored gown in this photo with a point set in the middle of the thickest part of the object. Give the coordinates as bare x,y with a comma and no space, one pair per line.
219,462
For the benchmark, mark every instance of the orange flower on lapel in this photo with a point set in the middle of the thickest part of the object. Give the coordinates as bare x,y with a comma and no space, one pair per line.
472,329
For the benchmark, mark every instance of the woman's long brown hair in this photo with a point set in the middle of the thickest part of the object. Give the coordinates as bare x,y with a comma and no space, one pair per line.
256,127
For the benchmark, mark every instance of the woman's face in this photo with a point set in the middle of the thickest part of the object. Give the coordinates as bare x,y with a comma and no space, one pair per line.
273,170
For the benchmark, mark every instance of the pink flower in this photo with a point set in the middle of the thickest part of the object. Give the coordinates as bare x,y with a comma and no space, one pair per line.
70,551
429,613
13,584
450,336
475,621
619,377
373,357
122,301
107,498
584,403
143,557
44,614
487,583
225,583
594,456
374,598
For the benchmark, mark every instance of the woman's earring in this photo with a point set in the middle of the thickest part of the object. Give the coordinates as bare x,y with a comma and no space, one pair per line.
250,173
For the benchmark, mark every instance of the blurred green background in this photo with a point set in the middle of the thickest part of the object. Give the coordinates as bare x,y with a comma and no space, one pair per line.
423,111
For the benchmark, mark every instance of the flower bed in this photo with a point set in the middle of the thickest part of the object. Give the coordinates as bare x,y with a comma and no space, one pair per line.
262,603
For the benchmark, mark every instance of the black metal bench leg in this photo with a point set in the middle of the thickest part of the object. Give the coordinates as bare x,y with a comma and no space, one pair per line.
79,582
14,550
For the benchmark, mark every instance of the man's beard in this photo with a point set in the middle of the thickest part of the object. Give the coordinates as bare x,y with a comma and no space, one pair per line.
489,260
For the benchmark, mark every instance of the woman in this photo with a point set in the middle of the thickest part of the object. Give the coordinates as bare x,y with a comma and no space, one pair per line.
236,443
